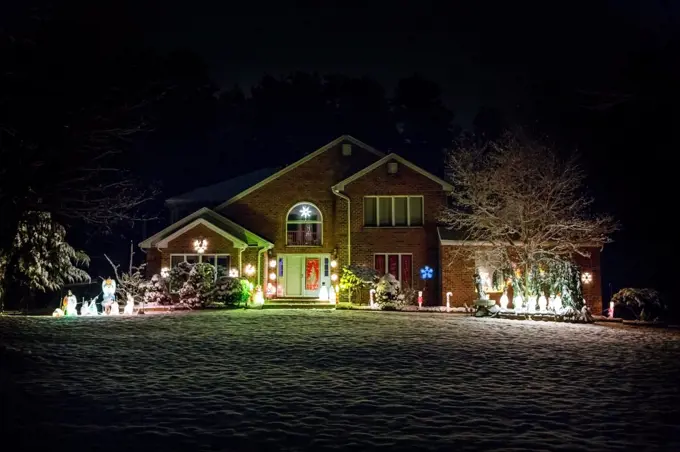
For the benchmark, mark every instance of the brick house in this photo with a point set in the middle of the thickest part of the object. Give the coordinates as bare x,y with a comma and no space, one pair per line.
294,228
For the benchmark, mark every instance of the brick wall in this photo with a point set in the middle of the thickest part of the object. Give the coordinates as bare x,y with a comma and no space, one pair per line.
592,292
457,276
264,211
421,242
184,244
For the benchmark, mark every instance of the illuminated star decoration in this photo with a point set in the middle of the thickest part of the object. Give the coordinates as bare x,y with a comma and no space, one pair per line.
305,212
426,272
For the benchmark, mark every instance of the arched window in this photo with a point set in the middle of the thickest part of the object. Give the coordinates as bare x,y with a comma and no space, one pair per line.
304,225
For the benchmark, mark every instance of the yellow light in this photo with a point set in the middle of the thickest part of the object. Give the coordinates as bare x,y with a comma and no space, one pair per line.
165,272
272,276
334,263
334,277
200,245
233,273
272,263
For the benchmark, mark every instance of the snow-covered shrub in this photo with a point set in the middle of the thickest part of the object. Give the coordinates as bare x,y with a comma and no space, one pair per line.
199,286
387,292
357,278
156,291
232,291
643,304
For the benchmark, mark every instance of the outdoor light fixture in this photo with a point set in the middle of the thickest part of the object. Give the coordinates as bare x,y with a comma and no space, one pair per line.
586,277
233,273
272,263
249,270
165,272
200,245
334,277
334,263
305,212
272,276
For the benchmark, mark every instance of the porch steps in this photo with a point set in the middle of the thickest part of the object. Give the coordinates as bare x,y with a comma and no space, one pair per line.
297,303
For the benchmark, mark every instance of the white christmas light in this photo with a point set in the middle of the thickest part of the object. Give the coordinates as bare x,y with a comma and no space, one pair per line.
249,270
334,263
272,263
165,272
334,277
587,277
305,212
272,276
200,245
233,273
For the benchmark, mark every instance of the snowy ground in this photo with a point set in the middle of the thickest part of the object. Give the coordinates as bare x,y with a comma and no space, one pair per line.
315,380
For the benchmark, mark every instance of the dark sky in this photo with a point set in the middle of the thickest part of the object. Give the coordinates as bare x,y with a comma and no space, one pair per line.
479,52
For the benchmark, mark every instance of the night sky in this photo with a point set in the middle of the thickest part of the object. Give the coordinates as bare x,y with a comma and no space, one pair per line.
552,67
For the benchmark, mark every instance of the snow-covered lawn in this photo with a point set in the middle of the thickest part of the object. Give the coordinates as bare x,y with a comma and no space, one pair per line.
276,380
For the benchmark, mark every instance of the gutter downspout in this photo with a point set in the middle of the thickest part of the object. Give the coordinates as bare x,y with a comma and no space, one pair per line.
336,192
240,261
349,224
259,273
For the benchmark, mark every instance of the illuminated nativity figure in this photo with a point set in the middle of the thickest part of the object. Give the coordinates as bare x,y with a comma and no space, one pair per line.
129,305
71,304
109,297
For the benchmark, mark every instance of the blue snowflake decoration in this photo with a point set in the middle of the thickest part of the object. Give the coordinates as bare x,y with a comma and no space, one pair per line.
426,272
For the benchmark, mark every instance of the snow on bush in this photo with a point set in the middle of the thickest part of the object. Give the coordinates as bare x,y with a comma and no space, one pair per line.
643,304
232,291
156,291
357,278
198,289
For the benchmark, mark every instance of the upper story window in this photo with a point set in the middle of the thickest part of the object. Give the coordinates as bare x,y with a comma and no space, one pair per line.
304,225
393,211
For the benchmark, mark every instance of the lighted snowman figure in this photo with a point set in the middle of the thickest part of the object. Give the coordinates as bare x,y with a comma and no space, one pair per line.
129,305
71,304
542,303
115,308
109,291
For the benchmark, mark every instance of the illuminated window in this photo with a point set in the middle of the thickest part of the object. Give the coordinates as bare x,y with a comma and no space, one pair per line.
398,265
304,225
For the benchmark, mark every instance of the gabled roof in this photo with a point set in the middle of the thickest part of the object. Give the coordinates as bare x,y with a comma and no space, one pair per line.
341,185
220,191
224,226
308,157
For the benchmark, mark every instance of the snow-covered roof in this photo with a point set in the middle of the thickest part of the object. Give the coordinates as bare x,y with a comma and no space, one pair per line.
240,235
224,190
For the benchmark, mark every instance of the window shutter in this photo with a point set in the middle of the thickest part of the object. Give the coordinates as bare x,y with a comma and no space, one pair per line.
405,271
380,264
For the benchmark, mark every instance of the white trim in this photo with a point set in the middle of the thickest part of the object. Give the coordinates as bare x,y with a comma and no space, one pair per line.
292,166
304,222
393,225
341,185
236,241
149,242
399,262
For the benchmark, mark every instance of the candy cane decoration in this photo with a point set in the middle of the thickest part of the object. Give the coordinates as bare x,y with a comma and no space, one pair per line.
448,304
370,293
